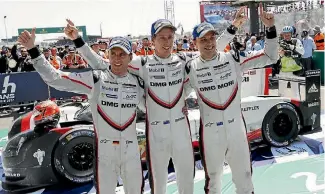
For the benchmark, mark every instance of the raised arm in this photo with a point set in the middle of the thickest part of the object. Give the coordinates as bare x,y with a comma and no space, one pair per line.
226,37
74,82
229,34
81,83
14,53
261,58
94,60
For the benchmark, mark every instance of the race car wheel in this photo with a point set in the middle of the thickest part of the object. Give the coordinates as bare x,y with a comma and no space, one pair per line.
74,156
281,125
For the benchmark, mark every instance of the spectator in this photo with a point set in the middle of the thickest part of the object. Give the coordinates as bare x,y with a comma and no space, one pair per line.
46,53
23,60
237,44
247,37
4,62
261,40
249,40
55,60
64,52
253,46
96,49
291,50
134,47
73,60
146,48
179,47
309,47
102,46
319,38
185,43
192,47
234,44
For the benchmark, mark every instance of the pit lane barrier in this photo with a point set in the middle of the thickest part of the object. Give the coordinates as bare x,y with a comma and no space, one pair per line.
26,88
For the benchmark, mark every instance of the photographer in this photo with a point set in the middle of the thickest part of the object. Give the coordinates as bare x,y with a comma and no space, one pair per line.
291,50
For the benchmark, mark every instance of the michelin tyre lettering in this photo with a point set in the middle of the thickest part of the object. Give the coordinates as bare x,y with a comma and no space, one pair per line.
281,125
73,156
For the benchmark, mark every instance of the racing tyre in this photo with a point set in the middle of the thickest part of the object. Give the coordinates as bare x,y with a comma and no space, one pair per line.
73,157
281,125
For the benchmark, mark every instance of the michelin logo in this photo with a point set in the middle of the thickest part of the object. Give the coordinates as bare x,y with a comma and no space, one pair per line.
8,91
313,118
39,155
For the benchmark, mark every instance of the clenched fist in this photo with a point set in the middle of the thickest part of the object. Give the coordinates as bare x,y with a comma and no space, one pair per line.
27,39
71,30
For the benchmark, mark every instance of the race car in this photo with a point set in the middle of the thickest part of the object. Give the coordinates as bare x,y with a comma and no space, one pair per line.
39,159
61,156
272,119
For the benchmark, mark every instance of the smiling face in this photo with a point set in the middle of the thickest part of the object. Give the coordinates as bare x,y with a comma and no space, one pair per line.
119,60
163,42
207,45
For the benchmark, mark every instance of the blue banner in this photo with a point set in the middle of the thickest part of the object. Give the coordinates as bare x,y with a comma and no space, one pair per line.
28,86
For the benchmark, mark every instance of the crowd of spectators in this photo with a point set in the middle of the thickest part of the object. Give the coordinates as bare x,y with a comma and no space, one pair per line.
298,6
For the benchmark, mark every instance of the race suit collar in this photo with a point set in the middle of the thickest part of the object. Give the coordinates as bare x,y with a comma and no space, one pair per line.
213,58
114,76
162,60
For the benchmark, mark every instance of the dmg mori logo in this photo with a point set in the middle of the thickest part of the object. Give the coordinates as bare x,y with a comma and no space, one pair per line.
8,91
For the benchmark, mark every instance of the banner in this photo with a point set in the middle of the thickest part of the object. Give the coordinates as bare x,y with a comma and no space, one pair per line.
219,14
28,86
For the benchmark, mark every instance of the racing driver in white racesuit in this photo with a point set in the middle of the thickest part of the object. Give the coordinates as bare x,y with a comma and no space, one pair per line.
167,128
114,95
216,78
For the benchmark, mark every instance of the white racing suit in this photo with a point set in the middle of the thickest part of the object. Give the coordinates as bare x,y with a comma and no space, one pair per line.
168,132
113,103
222,128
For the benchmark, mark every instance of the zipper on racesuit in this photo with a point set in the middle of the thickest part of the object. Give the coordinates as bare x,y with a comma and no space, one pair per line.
165,66
122,146
219,99
170,116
